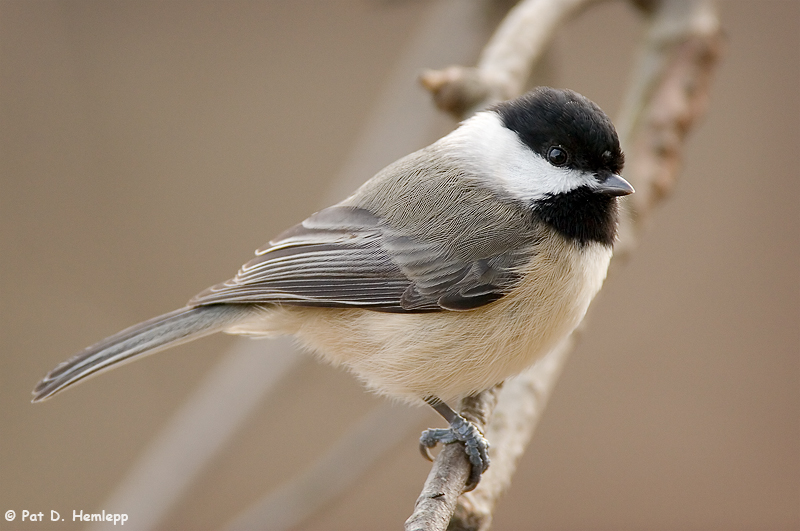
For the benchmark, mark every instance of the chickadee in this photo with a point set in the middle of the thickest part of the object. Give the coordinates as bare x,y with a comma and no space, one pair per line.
449,271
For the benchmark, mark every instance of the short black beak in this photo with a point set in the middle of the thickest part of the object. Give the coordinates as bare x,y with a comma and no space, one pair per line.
613,185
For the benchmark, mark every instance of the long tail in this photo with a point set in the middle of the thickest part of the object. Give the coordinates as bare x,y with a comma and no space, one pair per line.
140,340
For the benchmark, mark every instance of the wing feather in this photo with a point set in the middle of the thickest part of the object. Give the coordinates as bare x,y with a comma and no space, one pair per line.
344,257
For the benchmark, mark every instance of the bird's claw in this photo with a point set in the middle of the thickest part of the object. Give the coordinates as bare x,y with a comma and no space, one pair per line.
475,445
430,438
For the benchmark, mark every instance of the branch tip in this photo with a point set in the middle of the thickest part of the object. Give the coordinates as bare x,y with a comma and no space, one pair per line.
456,89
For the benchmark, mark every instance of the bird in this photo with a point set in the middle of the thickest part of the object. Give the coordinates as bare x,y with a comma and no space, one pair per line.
449,271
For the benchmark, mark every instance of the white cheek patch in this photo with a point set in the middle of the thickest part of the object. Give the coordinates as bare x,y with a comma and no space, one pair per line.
499,156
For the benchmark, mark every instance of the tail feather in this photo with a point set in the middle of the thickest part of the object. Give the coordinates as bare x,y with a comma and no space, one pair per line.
139,340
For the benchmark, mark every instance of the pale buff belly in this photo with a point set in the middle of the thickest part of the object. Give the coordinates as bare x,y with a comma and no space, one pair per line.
452,354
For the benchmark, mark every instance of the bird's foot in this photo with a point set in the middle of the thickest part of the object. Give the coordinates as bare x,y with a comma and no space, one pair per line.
475,445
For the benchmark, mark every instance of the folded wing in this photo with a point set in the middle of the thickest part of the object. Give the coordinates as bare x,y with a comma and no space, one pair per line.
346,257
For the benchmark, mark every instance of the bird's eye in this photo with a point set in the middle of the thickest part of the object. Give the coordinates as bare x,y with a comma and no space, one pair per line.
557,156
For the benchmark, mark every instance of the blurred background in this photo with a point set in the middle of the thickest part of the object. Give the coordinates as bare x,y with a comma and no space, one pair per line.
146,148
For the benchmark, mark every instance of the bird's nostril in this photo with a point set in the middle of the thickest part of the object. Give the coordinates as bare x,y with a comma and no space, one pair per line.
602,176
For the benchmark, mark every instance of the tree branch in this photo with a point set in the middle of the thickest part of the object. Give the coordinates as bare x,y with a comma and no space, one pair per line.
449,474
667,95
519,407
507,60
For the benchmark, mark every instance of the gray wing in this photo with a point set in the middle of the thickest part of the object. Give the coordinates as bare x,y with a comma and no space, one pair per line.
344,256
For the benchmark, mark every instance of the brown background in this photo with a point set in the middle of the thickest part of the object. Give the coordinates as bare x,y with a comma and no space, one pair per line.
147,148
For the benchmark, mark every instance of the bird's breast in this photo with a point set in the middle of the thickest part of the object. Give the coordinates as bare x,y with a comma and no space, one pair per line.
452,354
